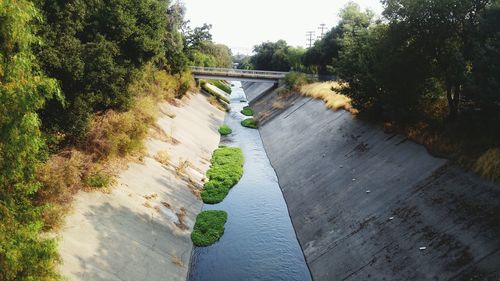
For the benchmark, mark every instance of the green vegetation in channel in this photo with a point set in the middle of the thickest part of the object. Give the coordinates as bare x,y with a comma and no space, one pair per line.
208,228
247,111
221,85
204,86
249,123
225,172
225,130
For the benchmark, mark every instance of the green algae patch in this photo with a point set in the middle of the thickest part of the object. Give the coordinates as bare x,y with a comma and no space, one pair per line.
249,123
225,130
225,172
247,111
208,228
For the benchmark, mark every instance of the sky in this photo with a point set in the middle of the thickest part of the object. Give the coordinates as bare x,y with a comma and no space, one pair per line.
242,24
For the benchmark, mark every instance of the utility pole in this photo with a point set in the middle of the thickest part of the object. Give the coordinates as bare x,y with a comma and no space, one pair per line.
310,36
321,27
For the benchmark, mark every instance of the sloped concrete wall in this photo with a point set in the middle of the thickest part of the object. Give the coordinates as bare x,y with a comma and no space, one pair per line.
371,206
255,90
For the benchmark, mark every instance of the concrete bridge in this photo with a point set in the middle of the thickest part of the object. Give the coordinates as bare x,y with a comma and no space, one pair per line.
237,74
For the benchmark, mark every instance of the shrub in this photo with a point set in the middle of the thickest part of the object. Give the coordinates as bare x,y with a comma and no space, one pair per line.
208,228
247,111
294,80
98,179
249,123
225,172
225,130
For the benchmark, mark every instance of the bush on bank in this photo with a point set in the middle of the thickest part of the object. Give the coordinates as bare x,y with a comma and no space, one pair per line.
225,172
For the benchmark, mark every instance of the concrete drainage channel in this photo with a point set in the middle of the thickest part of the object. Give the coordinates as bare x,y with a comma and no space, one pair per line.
371,206
259,242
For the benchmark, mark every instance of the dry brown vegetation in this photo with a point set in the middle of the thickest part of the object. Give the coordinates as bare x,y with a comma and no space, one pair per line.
327,92
181,216
162,157
222,106
278,104
262,116
177,261
181,168
113,138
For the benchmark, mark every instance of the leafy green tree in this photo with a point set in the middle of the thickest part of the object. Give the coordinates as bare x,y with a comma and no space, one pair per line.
24,255
176,60
271,56
444,30
197,37
95,49
319,58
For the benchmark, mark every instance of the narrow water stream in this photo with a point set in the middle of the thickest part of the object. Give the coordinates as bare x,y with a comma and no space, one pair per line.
259,242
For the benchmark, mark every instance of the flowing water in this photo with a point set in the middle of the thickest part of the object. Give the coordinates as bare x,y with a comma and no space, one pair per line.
259,242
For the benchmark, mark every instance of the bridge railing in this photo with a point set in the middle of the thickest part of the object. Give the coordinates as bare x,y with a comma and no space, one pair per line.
237,72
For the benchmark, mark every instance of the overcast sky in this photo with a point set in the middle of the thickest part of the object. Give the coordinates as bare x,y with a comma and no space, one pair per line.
241,24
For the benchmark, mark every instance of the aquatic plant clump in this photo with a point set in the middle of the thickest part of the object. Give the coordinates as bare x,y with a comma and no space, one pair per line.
208,228
225,172
249,123
225,130
247,111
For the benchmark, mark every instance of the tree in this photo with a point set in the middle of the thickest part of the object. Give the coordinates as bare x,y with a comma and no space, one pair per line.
486,59
23,89
320,57
196,38
95,50
175,56
445,31
271,56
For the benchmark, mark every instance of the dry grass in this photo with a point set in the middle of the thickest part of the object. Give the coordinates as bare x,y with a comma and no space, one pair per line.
332,99
181,216
151,196
278,104
218,104
162,157
262,116
181,168
488,165
195,190
177,261
61,177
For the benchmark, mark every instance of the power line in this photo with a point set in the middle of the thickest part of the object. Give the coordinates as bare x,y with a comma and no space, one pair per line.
321,27
310,36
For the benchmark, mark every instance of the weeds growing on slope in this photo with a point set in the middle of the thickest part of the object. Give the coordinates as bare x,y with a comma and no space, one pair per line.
327,91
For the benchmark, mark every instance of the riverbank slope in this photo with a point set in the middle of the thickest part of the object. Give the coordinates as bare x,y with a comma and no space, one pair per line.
140,230
367,205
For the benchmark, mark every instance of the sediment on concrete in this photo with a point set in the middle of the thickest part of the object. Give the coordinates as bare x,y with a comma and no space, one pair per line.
141,229
367,205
